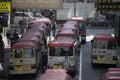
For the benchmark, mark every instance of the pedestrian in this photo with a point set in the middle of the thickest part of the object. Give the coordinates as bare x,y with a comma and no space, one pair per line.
13,40
66,63
45,60
2,51
8,36
54,28
0,37
21,25
15,35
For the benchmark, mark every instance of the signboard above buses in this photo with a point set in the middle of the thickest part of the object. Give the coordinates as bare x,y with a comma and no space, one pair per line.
5,6
38,4
111,5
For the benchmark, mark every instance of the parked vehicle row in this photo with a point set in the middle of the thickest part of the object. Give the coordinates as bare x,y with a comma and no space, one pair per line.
25,54
64,50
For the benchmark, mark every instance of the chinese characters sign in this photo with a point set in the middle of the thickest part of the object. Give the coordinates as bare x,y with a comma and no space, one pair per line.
5,6
108,5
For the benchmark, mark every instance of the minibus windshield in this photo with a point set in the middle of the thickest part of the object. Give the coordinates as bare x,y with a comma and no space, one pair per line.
28,53
66,51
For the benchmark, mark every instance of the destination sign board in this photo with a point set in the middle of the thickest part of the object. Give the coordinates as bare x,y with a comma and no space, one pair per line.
5,6
108,5
37,4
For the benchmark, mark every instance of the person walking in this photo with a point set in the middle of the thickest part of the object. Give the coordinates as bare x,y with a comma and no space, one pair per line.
15,35
13,40
2,51
0,36
8,36
45,60
54,28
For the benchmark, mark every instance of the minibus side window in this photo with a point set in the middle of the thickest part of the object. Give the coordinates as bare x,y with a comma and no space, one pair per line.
18,53
28,53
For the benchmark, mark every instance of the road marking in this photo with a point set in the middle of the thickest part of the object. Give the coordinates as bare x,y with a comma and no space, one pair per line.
80,63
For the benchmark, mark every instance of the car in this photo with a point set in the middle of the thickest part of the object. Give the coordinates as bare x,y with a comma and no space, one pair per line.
38,15
96,21
20,16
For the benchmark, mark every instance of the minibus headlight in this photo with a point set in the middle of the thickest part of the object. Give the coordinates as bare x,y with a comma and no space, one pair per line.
83,35
50,67
72,66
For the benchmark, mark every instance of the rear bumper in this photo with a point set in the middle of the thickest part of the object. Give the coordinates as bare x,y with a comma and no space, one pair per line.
14,72
111,62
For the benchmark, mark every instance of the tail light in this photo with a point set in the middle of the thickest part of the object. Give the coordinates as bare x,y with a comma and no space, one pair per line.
83,35
72,67
50,67
94,57
33,66
115,58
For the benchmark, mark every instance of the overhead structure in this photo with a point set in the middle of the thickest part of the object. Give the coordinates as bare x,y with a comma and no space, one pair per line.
38,4
109,5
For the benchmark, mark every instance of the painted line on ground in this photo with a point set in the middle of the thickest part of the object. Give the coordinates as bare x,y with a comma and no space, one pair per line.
80,63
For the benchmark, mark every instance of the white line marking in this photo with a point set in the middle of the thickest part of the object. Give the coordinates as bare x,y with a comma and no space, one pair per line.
80,68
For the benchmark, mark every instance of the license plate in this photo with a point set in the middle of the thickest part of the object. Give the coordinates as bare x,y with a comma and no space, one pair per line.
58,66
18,67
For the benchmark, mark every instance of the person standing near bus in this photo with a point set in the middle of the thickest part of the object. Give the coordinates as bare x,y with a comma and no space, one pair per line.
54,28
15,35
8,36
45,59
2,45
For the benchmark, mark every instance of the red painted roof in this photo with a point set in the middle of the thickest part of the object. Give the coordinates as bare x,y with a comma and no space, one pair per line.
55,76
42,20
65,33
31,33
55,71
36,23
35,30
79,19
62,42
112,75
113,69
23,44
104,36
30,38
